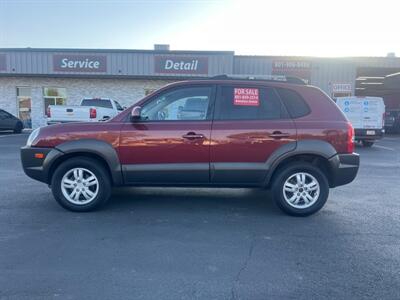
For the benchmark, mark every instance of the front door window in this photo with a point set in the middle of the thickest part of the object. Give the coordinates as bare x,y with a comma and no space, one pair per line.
185,104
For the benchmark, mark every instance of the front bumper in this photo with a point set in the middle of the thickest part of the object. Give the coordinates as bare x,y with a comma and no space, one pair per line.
38,168
344,168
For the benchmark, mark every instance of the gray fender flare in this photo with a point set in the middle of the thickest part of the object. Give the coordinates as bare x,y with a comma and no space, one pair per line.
99,148
310,147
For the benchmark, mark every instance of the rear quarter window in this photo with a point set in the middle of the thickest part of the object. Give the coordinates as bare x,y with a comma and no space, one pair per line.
294,103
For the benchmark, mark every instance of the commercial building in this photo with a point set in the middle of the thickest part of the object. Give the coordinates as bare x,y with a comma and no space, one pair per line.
31,79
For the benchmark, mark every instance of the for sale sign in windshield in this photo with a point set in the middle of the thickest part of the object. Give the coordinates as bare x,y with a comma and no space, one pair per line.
3,63
79,63
246,97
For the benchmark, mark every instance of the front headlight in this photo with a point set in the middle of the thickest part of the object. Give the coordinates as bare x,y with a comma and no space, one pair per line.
34,134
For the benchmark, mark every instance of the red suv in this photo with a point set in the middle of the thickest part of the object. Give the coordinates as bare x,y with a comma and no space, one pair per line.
223,132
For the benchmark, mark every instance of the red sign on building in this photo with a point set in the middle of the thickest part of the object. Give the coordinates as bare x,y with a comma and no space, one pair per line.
79,63
296,68
181,64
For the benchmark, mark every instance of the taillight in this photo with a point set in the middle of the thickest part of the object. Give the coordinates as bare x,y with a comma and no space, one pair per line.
48,112
350,138
93,113
383,120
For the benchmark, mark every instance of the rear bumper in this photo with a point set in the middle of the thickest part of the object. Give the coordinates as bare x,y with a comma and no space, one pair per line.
38,168
344,168
361,134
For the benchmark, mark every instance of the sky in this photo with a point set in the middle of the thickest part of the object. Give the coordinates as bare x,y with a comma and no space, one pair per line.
328,28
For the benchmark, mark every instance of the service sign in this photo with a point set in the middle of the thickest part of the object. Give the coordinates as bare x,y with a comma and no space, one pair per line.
181,64
297,68
3,62
79,63
246,97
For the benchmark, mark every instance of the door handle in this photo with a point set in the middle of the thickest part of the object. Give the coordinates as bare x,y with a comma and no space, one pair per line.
279,135
193,136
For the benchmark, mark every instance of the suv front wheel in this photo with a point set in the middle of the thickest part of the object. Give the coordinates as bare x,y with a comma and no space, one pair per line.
300,189
81,184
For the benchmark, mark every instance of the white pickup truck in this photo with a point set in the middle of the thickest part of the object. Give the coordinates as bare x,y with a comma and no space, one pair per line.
90,110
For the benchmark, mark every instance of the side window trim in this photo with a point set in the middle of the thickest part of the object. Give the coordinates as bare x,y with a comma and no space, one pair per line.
210,110
284,112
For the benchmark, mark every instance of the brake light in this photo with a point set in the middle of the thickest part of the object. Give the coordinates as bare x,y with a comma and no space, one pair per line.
93,113
383,120
350,138
48,112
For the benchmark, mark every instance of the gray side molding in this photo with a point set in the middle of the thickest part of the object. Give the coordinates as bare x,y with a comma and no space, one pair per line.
313,147
97,147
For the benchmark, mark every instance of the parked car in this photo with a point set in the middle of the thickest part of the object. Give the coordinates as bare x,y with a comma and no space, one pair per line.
267,134
89,110
10,122
367,115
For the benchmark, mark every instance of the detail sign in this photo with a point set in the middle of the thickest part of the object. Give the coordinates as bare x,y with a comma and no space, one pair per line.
181,64
297,68
79,63
246,97
3,62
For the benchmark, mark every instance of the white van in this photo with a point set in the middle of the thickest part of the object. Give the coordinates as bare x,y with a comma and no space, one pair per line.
366,114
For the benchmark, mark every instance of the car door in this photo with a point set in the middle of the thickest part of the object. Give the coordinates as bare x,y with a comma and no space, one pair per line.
7,121
170,143
250,124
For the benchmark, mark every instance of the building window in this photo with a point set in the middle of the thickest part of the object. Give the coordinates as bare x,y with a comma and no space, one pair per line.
24,105
54,96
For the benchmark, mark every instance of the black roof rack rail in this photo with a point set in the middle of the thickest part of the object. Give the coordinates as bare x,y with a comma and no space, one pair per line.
270,78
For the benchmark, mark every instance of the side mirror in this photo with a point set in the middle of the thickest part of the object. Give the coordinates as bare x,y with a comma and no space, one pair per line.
135,113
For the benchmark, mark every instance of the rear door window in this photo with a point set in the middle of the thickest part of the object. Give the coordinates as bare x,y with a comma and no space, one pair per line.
248,103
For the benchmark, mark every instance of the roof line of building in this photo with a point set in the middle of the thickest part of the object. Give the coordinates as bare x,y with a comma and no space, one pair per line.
116,51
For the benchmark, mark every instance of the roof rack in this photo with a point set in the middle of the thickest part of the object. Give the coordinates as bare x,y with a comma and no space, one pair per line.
272,78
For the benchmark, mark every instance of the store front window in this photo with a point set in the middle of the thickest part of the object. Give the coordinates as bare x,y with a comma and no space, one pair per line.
24,104
54,96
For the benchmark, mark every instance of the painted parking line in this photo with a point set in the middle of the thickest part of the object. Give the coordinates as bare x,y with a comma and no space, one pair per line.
385,148
16,134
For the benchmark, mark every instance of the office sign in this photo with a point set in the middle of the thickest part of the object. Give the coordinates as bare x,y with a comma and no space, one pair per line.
296,68
181,64
3,62
341,88
79,63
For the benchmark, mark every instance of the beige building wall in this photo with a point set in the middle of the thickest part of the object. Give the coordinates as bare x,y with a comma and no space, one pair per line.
125,91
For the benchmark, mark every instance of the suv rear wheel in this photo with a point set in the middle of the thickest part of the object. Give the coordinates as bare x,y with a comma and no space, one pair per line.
81,184
300,189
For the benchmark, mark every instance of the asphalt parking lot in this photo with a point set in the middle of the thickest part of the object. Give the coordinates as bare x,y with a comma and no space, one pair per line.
202,243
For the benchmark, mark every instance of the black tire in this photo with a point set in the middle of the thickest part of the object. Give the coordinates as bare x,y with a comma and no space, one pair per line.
18,127
285,173
94,166
367,143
